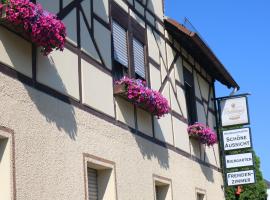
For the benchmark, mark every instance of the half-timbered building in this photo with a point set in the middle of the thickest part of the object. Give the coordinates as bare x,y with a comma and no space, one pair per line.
66,135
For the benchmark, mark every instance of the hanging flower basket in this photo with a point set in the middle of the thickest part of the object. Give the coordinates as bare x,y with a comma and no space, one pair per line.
34,24
135,91
203,133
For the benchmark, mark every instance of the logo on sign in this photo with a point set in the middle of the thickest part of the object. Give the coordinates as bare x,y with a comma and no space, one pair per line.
241,178
234,111
236,139
239,160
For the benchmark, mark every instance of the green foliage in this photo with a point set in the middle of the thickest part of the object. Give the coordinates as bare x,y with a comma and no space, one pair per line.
256,191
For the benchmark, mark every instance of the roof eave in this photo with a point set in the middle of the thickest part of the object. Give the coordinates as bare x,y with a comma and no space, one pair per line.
221,74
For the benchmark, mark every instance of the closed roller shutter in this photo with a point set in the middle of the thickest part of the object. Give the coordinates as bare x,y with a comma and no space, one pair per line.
92,184
120,44
139,64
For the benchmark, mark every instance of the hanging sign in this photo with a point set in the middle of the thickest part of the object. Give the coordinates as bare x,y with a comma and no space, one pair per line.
239,160
236,139
234,111
241,178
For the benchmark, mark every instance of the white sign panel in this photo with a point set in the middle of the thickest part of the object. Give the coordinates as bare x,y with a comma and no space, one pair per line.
234,111
236,139
241,178
239,160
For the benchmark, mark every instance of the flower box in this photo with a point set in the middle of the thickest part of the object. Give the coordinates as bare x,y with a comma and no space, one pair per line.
202,133
14,28
34,24
136,92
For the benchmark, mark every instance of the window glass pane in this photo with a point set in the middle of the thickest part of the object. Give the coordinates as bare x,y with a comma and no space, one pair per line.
92,184
200,196
139,64
190,97
120,44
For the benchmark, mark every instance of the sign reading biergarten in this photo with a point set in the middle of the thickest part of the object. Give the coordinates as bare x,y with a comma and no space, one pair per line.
236,140
239,160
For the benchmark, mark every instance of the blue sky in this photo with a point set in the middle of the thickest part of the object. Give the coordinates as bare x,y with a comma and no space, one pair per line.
239,33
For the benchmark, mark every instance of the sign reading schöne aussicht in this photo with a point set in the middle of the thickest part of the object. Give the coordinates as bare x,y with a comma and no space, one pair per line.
236,139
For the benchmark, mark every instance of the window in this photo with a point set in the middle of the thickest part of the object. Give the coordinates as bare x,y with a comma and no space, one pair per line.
100,178
200,196
5,169
128,45
92,184
190,97
162,188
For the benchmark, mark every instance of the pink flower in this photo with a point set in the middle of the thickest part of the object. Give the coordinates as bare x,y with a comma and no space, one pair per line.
140,94
44,28
207,135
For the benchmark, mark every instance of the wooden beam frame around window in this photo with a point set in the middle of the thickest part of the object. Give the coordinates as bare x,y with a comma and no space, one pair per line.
134,30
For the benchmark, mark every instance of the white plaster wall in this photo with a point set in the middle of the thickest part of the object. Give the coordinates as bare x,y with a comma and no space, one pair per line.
103,40
71,24
101,8
97,92
268,192
153,50
181,137
60,72
144,120
125,111
155,78
122,4
52,136
15,52
50,5
156,6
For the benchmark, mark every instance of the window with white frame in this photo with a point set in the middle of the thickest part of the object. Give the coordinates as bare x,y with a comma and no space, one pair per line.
162,188
100,178
5,169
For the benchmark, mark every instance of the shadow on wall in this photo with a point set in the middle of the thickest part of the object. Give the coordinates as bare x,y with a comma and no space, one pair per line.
149,150
152,151
56,112
208,173
199,151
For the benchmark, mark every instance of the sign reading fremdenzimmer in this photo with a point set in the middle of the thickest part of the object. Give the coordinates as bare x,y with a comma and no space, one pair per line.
236,139
241,178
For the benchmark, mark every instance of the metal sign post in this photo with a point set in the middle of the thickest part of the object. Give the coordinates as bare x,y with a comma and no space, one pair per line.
235,141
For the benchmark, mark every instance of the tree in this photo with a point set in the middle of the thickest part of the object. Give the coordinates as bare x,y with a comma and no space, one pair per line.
257,191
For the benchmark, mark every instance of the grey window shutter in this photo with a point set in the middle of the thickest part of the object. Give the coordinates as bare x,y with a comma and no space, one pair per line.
139,64
120,44
92,184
